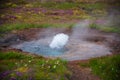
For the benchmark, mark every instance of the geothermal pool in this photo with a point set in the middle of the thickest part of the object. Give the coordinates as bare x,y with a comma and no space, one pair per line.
70,46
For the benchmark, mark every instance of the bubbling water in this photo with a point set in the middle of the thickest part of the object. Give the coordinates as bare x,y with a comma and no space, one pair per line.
53,43
59,41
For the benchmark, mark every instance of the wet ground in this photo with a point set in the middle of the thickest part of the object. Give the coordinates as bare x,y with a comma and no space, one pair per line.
84,43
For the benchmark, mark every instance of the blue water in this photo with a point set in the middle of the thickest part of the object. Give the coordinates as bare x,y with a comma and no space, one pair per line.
44,50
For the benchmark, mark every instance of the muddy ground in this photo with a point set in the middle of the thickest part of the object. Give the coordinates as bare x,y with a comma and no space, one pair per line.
99,37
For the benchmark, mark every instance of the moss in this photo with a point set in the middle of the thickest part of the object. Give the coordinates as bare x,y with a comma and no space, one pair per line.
108,68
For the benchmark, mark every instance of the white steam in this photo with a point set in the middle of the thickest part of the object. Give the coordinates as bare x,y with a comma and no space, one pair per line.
59,41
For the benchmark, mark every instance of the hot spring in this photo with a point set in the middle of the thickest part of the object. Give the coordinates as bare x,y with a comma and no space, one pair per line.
69,45
55,48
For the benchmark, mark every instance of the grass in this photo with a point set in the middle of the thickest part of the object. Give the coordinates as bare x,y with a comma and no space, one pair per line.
24,67
31,19
12,3
11,55
64,5
16,65
20,26
113,29
107,68
21,66
54,5
68,5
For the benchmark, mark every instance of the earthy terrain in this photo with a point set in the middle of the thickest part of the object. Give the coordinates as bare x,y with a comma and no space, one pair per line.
27,21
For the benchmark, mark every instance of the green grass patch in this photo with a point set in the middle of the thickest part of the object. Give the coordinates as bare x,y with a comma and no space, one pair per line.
68,5
24,67
12,55
107,68
12,3
94,5
113,29
54,5
20,26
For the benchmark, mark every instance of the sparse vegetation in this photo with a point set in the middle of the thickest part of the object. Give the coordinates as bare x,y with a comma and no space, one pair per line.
72,5
104,28
21,66
20,26
11,55
24,14
69,5
84,64
108,68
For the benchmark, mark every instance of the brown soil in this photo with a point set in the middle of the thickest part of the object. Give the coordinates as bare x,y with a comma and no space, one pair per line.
16,37
28,34
81,73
